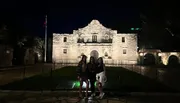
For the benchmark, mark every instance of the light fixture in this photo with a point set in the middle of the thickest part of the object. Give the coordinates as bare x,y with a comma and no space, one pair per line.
7,51
159,54
141,54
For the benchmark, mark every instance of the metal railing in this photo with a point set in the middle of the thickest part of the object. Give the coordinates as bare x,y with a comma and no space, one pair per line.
8,75
23,72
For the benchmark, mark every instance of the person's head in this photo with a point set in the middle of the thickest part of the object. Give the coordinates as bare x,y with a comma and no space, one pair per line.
84,58
100,60
92,60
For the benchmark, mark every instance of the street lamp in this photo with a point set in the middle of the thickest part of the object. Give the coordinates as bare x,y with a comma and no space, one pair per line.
141,57
141,54
159,58
159,54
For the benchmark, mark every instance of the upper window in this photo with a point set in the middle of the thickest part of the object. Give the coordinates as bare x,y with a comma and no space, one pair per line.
124,51
123,39
94,38
65,51
106,54
65,39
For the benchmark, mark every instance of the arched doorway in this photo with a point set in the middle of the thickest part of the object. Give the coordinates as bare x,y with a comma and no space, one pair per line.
173,60
149,59
95,54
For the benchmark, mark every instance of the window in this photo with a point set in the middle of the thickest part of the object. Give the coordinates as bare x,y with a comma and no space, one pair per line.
82,40
65,39
94,38
106,54
79,40
124,51
123,39
65,51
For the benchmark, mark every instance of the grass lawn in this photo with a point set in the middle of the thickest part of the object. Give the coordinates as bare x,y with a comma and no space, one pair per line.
119,79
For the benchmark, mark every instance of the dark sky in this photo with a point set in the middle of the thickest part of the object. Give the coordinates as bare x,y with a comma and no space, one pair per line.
68,19
67,16
64,17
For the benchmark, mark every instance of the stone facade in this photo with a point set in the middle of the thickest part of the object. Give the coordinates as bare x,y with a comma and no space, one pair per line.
159,57
95,40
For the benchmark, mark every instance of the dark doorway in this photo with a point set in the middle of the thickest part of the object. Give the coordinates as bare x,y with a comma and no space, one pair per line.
95,54
149,59
173,60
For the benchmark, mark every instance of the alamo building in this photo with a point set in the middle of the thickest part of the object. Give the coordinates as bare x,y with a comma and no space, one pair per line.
95,40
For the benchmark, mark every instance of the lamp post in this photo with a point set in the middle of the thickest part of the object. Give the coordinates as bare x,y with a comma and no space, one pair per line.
45,40
141,58
159,58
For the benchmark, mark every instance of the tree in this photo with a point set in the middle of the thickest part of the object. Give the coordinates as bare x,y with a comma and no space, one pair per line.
4,35
38,44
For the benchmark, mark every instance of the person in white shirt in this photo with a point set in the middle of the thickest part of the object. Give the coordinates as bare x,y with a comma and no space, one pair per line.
100,76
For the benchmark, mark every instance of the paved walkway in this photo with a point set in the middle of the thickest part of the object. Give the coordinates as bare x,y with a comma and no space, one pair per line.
71,97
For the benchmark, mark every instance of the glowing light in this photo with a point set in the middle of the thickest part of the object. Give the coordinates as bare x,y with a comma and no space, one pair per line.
73,85
173,53
141,54
137,28
159,54
7,51
76,84
39,55
132,28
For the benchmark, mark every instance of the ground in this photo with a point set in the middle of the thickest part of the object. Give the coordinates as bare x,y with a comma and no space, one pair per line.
119,79
68,97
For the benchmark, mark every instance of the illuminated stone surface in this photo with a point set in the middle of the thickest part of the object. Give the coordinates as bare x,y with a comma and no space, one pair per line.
160,56
96,40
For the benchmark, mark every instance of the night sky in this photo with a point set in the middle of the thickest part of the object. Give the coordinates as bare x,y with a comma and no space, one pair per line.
64,17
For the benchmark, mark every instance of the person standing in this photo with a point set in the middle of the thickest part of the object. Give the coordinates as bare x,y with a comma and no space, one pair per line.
82,73
101,76
92,74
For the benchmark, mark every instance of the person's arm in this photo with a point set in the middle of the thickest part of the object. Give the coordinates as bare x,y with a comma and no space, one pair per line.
78,70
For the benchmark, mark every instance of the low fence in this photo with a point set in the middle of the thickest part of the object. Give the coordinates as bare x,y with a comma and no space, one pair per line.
8,76
22,72
106,61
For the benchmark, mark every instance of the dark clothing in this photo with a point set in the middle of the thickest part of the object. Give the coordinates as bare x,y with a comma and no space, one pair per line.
91,68
92,78
100,68
84,78
92,75
82,71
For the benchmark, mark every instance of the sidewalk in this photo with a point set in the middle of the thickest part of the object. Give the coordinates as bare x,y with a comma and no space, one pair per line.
72,97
